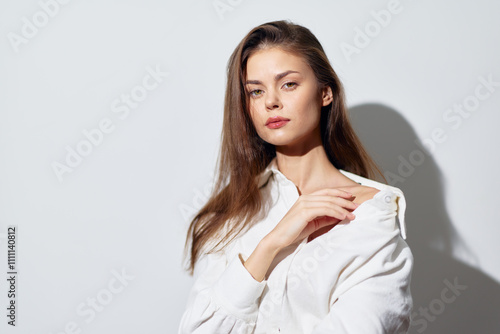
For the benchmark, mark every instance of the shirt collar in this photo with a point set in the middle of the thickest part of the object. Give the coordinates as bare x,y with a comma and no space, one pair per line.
272,168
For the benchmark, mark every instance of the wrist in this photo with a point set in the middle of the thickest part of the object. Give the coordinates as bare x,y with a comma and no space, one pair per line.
259,261
271,245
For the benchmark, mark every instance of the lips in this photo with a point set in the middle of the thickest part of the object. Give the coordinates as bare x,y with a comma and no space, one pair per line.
276,119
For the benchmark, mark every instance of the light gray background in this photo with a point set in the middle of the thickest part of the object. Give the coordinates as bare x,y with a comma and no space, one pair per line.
126,205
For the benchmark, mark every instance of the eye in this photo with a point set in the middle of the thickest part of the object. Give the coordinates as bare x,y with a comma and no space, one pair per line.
256,92
290,85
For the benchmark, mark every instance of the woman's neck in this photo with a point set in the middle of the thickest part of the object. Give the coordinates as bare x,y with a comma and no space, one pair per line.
310,169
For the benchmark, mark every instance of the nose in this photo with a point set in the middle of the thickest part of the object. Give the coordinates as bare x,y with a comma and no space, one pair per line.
273,101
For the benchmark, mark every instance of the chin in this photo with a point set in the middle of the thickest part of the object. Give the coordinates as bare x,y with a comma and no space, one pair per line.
282,141
286,136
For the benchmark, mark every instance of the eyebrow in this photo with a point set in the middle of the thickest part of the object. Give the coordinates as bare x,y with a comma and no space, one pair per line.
276,77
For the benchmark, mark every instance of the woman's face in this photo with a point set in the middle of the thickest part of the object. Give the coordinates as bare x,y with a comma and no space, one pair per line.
280,84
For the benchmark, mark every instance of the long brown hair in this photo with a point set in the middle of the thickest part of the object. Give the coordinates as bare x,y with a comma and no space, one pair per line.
236,199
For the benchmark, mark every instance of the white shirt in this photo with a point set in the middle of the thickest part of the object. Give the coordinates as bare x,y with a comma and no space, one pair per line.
353,279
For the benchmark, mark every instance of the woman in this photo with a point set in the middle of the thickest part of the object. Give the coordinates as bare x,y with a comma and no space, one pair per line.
296,237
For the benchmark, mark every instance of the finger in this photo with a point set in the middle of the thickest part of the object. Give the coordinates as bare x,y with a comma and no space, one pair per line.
333,192
351,206
319,199
321,222
336,212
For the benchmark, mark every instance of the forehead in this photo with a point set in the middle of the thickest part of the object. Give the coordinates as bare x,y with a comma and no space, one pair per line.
268,62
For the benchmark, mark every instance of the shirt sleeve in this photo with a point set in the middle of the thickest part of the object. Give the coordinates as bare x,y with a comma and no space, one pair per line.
224,297
373,294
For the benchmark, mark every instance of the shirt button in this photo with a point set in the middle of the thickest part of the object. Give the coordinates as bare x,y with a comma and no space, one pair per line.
387,199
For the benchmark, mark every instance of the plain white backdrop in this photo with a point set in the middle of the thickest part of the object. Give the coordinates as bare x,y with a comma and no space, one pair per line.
110,120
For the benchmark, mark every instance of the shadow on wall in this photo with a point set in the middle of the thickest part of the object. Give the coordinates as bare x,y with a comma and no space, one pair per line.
449,295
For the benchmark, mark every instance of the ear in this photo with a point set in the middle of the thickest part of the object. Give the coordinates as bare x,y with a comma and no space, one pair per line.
326,95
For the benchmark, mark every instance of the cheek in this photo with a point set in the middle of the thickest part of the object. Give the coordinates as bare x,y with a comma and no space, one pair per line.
305,105
254,111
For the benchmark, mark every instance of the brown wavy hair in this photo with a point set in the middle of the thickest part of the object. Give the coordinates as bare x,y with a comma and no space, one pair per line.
236,199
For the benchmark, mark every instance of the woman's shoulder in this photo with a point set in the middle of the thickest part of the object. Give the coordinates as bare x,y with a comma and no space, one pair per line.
362,193
368,186
383,196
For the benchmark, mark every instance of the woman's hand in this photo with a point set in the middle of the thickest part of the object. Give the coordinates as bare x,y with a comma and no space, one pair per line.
310,213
